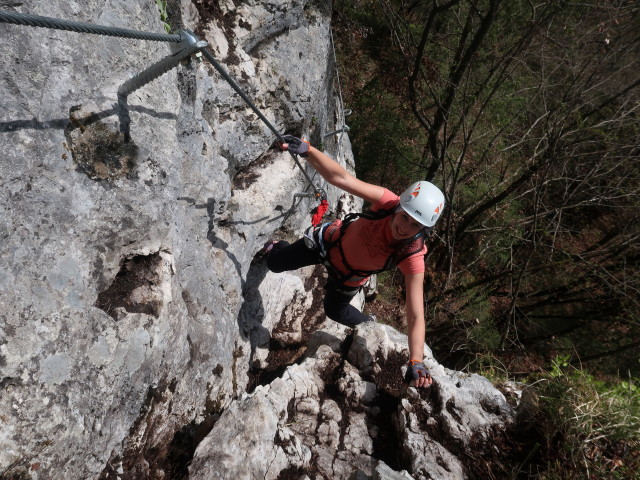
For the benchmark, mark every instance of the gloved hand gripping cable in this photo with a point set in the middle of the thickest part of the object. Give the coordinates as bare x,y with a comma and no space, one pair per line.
298,146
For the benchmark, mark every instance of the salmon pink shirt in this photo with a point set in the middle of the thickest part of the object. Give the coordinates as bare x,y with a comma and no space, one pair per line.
367,244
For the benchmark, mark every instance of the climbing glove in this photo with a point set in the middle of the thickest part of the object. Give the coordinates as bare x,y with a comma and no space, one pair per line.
296,145
415,371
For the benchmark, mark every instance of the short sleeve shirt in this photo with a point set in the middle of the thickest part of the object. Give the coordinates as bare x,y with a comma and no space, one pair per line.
367,244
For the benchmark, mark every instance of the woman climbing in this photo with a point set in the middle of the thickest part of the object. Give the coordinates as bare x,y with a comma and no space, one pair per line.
391,234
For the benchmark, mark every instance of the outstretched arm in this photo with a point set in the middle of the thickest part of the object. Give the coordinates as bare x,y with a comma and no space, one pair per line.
337,176
415,321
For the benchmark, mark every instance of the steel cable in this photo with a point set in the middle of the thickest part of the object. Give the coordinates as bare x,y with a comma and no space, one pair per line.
209,56
80,27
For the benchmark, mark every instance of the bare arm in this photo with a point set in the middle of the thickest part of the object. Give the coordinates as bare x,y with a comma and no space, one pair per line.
337,176
415,320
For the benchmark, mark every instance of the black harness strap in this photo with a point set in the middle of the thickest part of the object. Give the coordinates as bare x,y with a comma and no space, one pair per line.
407,248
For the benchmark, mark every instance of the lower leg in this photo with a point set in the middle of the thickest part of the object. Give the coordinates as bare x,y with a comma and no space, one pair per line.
338,308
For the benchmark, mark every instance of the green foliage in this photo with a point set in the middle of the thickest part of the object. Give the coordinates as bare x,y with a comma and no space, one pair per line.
388,283
559,365
590,428
385,138
574,426
504,222
388,305
484,337
532,132
479,324
490,367
164,16
382,143
535,143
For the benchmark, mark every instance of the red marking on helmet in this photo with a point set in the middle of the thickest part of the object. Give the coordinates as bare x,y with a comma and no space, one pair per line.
416,191
437,210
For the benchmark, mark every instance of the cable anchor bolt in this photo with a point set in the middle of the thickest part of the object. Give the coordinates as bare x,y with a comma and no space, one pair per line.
188,45
345,129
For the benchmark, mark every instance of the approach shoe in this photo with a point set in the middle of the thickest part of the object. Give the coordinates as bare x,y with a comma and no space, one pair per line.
266,249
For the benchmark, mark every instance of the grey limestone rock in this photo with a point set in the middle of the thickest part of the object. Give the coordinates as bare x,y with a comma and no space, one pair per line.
134,310
127,309
335,408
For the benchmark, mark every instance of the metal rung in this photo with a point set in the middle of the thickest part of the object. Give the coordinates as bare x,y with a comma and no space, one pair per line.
345,128
189,45
319,193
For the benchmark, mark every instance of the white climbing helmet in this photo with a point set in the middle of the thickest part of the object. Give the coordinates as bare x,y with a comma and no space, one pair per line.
424,202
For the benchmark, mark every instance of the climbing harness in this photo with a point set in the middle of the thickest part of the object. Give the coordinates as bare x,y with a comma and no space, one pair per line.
315,239
187,44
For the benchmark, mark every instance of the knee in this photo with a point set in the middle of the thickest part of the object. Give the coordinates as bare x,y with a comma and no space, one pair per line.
331,311
344,313
336,311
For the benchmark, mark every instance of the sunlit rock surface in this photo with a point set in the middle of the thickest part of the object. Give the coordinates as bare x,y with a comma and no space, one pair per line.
134,314
342,412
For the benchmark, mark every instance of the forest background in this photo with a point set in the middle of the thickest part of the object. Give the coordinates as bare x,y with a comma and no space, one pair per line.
525,113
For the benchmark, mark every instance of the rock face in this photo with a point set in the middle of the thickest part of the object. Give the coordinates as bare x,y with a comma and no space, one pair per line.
341,413
132,309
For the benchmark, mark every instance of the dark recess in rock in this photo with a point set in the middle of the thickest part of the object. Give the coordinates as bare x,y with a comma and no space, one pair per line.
135,288
99,150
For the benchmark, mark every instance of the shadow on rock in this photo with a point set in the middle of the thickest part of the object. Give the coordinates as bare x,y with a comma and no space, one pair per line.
252,311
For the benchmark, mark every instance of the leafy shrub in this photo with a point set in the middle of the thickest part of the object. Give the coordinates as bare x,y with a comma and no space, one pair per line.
164,16
590,428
